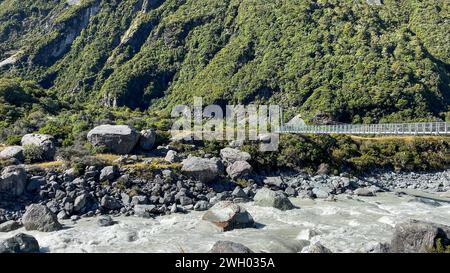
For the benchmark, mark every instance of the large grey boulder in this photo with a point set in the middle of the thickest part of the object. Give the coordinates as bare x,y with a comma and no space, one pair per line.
268,198
229,247
39,217
13,180
419,237
228,216
20,243
45,142
118,139
147,139
13,152
202,169
239,169
231,155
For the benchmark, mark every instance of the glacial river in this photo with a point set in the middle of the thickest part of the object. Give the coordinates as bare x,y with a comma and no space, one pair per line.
349,224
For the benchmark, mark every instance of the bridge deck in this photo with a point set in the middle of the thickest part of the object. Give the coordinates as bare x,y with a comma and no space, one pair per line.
424,128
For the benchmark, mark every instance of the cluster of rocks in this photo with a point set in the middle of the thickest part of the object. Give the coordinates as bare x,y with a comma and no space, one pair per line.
233,161
112,190
45,143
37,217
108,189
227,215
304,186
430,181
325,186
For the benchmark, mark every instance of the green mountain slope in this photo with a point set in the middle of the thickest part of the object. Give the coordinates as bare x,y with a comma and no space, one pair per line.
349,60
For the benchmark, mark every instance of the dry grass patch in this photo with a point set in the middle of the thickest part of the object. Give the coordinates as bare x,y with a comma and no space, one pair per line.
154,164
49,165
110,158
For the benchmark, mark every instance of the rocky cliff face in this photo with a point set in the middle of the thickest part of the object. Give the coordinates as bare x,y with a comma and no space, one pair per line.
64,32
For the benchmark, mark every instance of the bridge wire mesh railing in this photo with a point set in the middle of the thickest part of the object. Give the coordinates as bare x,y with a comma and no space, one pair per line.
421,128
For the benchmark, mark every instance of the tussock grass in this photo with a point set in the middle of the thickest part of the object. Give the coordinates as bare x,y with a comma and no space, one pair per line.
149,169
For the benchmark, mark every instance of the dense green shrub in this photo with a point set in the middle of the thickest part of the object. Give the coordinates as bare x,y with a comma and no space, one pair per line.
295,152
33,154
343,153
13,140
60,132
69,153
24,108
400,154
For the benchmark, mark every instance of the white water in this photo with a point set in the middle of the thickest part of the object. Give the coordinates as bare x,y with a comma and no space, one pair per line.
347,225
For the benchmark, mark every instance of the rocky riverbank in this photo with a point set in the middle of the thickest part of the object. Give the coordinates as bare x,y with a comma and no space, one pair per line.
309,209
166,181
112,190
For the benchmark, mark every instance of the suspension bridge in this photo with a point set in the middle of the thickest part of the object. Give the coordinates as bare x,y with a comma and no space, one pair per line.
423,128
298,126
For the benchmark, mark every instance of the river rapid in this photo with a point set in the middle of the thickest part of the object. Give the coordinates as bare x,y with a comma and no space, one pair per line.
350,224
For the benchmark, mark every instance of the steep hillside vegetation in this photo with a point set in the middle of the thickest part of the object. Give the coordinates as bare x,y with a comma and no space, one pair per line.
349,60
